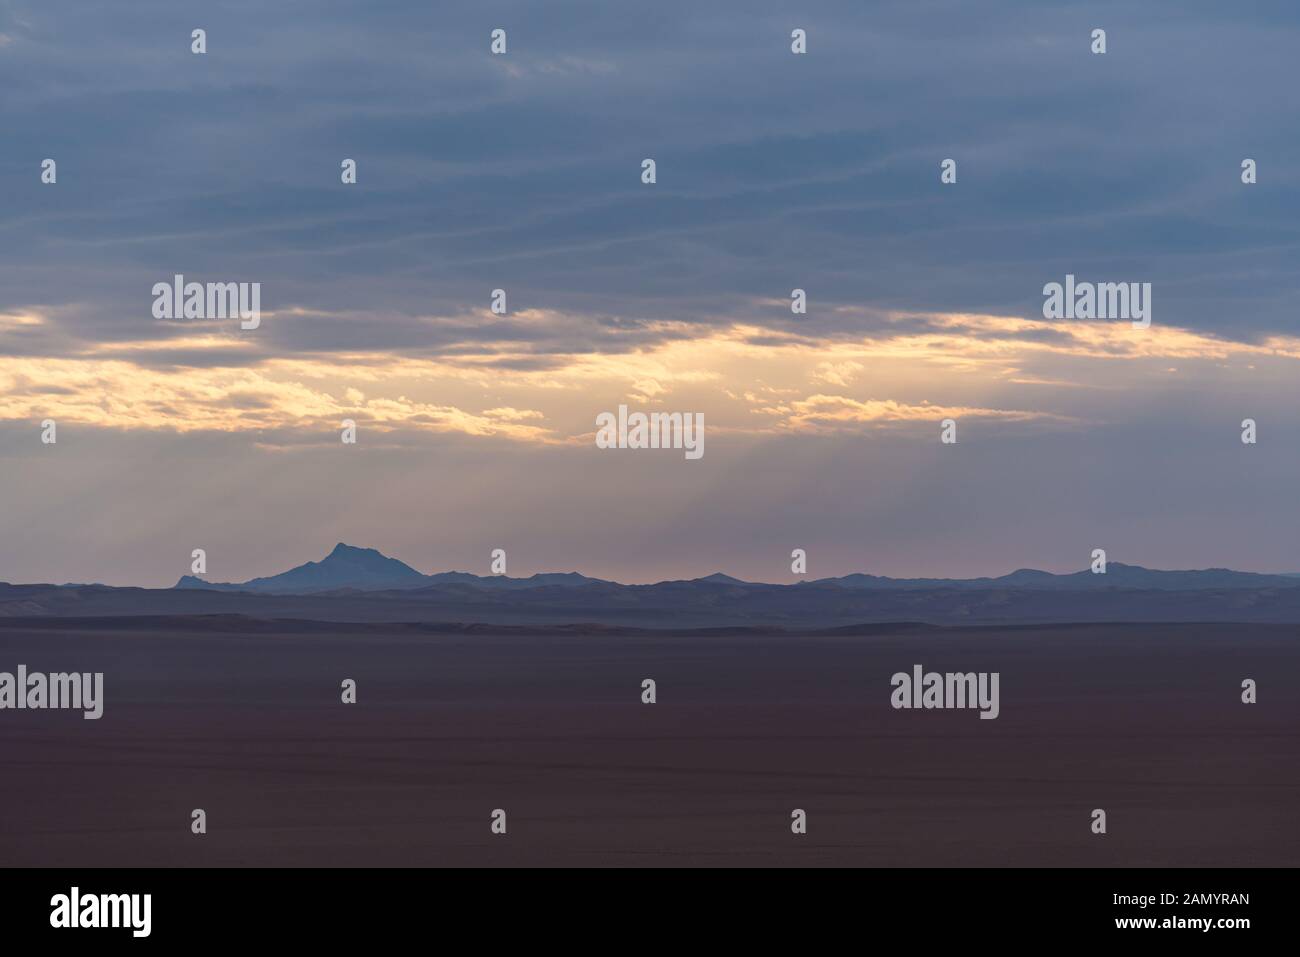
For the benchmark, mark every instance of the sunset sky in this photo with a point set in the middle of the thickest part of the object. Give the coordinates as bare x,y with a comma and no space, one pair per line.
522,172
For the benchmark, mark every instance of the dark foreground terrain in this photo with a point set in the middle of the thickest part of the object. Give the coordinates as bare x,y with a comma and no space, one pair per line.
244,720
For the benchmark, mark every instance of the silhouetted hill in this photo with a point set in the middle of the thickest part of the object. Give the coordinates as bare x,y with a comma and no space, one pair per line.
366,569
362,585
348,567
1118,575
674,604
345,567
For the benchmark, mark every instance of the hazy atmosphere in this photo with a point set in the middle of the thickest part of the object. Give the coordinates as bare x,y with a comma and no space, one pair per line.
604,434
523,172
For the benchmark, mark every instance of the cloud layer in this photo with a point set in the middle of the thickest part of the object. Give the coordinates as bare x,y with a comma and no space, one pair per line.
775,172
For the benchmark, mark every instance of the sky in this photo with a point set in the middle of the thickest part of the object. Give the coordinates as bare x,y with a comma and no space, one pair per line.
522,171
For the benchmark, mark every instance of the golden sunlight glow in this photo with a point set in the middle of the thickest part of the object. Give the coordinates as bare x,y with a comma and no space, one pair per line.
745,378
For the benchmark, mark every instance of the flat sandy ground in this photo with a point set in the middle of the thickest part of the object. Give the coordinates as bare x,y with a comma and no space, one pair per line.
1143,721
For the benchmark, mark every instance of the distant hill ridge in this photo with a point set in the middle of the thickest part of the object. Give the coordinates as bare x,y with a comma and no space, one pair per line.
362,585
349,567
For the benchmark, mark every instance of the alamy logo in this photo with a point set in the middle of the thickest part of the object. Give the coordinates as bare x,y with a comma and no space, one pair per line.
80,691
75,909
930,689
1106,300
179,299
658,430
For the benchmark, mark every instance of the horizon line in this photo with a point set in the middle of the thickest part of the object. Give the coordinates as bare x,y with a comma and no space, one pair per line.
705,577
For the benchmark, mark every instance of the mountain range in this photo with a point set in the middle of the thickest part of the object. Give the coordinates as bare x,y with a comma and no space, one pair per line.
349,567
353,584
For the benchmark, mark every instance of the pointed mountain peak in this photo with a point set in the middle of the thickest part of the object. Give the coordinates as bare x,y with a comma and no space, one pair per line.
343,549
347,566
